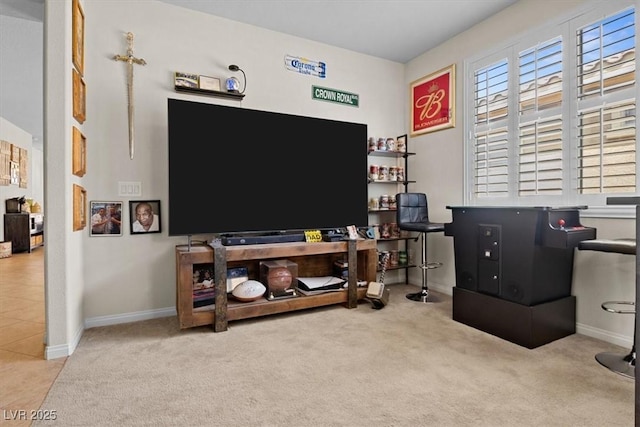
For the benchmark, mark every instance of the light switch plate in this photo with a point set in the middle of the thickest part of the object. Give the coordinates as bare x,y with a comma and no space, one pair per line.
129,189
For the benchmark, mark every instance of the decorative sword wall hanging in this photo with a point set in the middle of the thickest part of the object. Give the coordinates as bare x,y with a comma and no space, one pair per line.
130,60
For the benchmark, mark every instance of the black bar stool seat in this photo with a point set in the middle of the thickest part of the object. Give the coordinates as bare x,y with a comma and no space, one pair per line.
619,246
623,364
413,215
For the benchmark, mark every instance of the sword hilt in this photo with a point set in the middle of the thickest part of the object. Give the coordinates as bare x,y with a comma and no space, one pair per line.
131,59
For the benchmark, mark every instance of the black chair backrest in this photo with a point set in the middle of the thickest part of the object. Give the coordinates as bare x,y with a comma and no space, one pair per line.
412,208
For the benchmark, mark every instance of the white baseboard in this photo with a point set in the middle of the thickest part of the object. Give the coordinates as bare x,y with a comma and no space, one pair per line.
56,351
602,335
93,322
63,350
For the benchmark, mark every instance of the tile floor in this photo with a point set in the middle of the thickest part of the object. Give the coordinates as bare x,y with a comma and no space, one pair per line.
25,377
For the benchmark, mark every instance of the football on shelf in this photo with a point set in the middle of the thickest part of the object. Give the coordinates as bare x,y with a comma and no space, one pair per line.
249,290
279,279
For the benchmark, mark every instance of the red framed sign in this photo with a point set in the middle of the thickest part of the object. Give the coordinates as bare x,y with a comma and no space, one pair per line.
433,101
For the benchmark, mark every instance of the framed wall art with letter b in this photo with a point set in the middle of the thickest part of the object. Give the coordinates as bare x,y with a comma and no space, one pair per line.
433,101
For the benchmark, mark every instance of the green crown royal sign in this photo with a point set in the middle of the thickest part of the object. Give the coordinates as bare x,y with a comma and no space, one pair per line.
333,95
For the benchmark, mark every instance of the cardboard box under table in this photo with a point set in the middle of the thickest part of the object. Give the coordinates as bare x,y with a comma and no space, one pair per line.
280,277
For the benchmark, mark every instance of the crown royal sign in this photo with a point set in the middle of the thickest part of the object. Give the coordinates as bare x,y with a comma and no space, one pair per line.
433,101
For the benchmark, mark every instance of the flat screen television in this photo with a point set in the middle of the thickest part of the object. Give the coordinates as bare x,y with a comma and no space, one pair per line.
236,170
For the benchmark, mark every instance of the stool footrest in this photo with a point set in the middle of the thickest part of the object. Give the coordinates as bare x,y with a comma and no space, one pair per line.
431,265
609,306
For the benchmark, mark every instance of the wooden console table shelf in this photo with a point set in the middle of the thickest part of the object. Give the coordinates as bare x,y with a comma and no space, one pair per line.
313,259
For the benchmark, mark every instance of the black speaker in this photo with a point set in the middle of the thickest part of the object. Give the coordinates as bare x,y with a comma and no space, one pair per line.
514,291
467,280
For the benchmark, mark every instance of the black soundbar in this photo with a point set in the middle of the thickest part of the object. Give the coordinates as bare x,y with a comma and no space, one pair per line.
257,240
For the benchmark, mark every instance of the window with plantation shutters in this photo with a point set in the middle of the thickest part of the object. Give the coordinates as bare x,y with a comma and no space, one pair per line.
490,133
540,77
607,149
491,171
540,157
540,150
605,69
553,120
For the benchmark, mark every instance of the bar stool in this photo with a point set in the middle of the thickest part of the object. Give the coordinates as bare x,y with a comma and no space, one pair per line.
623,364
413,215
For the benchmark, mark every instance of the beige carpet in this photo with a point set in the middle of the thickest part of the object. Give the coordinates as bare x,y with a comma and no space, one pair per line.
409,364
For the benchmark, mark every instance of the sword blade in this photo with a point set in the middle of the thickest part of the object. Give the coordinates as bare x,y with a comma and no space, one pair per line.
130,109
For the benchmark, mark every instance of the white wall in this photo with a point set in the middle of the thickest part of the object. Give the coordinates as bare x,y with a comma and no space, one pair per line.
21,82
439,170
64,249
136,273
102,280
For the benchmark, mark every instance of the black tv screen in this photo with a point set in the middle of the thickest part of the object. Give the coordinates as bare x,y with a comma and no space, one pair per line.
237,170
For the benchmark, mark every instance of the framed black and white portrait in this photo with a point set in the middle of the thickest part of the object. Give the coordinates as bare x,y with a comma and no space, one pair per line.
145,216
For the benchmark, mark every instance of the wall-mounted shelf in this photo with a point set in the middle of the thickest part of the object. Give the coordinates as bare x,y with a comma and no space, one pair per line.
387,181
384,153
219,94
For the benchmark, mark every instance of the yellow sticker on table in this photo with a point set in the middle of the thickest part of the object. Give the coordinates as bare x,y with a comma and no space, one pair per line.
312,236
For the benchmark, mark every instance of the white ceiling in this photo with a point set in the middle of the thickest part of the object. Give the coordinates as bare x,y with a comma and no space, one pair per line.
32,10
397,30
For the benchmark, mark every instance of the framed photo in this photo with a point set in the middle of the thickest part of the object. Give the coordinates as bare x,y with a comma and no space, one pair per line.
79,166
209,83
79,97
23,166
14,171
79,207
145,216
5,160
15,152
401,143
77,36
204,292
106,218
433,101
186,79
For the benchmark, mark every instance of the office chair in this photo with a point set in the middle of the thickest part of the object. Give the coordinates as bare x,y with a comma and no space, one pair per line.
623,364
413,215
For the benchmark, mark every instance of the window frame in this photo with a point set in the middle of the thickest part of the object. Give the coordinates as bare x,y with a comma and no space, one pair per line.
564,27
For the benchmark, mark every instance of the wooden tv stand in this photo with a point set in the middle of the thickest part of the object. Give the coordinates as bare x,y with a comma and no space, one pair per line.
313,259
